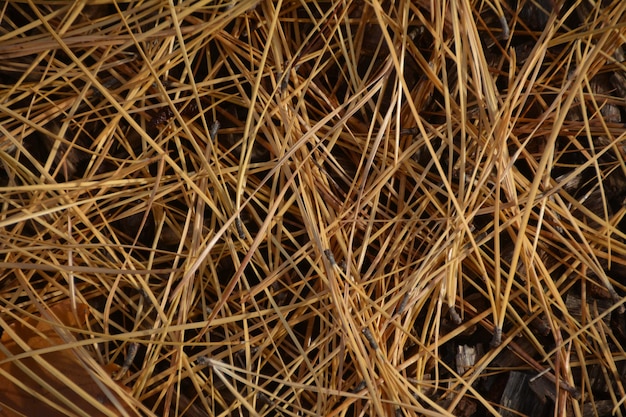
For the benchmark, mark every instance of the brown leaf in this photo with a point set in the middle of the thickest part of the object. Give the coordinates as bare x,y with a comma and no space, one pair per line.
31,383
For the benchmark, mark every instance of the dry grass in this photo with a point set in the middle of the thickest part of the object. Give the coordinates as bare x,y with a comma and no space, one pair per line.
307,209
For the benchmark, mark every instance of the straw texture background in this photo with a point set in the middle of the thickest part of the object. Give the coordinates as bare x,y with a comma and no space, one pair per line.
293,208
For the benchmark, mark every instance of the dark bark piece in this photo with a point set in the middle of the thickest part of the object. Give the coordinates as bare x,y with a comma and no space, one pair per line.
520,399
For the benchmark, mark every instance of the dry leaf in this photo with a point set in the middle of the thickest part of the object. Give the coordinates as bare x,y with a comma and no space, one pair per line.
28,383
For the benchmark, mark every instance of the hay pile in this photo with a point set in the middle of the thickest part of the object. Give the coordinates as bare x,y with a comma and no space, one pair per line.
296,208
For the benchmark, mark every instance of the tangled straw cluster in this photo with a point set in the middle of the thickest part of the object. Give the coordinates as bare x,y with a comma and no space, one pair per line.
343,208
